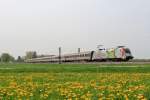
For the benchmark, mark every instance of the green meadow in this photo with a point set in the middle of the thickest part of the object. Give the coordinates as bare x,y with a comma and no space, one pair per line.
74,81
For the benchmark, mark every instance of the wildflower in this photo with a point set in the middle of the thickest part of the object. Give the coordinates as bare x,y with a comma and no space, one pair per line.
93,83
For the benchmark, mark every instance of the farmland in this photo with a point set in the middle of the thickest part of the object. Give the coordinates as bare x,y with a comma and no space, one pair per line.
74,81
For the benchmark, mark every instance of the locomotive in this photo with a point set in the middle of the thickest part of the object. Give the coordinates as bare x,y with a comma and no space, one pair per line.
120,53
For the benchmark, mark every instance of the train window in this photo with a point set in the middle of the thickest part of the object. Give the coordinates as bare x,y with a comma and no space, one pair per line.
127,51
86,54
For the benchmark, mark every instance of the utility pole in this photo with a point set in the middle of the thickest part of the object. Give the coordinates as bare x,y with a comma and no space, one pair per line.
78,50
59,55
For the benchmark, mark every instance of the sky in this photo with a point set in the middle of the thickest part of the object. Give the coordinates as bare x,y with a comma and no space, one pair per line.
44,25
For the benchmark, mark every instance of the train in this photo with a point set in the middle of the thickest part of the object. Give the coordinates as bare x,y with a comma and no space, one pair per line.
119,53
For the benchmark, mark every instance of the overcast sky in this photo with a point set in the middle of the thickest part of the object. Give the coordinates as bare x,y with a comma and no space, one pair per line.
44,25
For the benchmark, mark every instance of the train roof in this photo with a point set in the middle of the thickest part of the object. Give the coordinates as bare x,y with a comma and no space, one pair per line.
120,46
86,52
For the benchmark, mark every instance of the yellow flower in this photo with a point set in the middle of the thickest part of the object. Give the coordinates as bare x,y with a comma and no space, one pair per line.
93,83
140,96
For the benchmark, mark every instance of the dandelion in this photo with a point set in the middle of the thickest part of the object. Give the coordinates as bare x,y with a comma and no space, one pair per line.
140,96
93,83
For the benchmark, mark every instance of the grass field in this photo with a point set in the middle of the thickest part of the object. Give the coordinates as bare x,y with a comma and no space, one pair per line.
74,82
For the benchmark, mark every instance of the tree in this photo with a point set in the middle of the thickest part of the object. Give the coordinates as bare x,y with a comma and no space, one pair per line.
20,59
31,54
5,57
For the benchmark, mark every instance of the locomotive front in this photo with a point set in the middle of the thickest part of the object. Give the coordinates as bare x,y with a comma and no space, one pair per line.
125,53
128,54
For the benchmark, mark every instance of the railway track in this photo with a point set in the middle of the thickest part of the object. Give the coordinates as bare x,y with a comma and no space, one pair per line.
106,63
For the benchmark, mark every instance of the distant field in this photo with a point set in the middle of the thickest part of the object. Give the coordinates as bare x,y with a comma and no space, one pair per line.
74,81
77,68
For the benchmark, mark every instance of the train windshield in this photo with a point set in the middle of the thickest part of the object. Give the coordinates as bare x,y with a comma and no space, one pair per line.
127,50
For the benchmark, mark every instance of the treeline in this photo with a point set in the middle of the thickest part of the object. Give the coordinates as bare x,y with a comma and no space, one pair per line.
8,58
